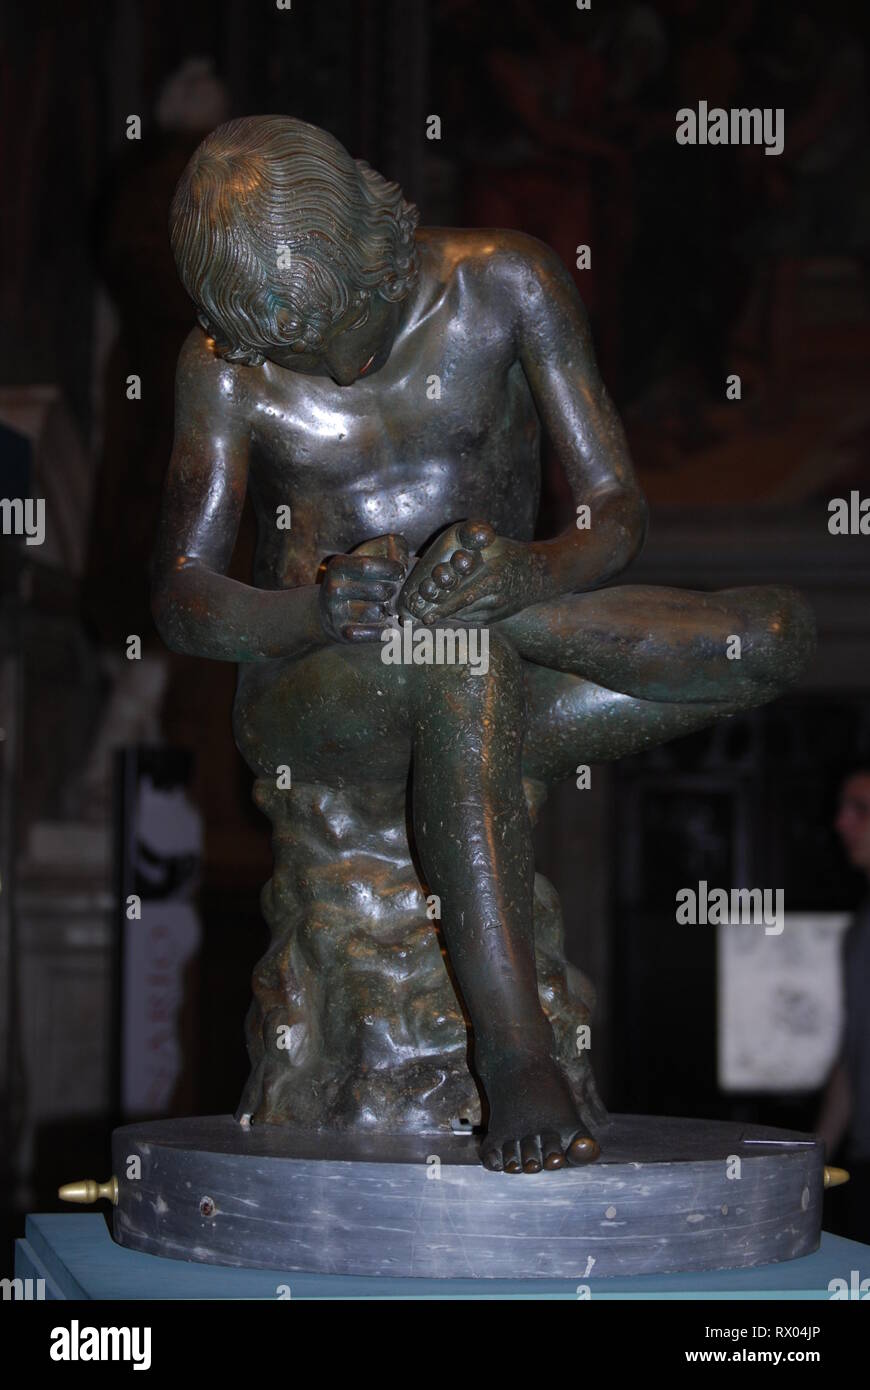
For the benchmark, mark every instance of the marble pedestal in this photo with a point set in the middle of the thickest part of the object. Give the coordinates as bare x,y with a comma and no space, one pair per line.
666,1195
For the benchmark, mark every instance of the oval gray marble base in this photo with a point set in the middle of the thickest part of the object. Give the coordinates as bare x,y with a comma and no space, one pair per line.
665,1196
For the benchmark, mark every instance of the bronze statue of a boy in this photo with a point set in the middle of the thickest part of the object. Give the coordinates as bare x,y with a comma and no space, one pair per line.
388,385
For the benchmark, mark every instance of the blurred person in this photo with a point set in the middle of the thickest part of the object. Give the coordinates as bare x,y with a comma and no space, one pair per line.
845,1110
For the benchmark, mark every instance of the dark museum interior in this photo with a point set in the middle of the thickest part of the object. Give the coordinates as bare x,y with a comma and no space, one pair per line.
729,299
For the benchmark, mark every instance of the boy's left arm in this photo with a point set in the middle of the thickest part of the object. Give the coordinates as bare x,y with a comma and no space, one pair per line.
498,576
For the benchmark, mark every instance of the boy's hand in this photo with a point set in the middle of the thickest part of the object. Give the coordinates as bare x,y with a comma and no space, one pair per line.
474,575
358,591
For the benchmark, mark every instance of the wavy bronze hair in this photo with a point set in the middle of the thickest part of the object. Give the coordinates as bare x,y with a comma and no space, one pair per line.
277,232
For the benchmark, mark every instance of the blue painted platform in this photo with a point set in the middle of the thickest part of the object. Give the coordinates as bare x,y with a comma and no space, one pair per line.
74,1253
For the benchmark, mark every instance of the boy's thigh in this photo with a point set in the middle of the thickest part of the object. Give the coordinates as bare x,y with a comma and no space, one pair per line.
338,714
673,645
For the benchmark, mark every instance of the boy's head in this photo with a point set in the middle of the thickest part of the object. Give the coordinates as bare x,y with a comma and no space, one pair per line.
292,250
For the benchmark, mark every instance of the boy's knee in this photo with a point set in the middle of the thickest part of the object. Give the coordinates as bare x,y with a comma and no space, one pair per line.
783,637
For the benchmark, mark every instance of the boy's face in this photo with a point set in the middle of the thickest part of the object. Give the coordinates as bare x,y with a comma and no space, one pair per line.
358,345
853,820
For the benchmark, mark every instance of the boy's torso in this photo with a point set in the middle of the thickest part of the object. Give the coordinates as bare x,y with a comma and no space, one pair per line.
444,431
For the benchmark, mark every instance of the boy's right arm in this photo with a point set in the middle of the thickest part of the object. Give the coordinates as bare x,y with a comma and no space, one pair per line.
197,608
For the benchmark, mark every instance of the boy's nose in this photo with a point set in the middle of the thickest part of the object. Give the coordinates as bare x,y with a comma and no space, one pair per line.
340,372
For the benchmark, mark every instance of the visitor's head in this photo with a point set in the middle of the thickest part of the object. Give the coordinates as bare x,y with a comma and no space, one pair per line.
292,250
853,817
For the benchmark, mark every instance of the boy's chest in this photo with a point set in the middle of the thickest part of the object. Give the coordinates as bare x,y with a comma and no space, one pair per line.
445,411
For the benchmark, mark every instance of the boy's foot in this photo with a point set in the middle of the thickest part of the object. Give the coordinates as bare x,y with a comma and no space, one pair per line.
533,1122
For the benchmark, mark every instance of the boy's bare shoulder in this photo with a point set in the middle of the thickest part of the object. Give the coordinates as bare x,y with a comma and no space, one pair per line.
496,258
203,374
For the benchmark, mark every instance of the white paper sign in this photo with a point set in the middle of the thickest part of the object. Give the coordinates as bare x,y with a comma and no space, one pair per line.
780,1010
